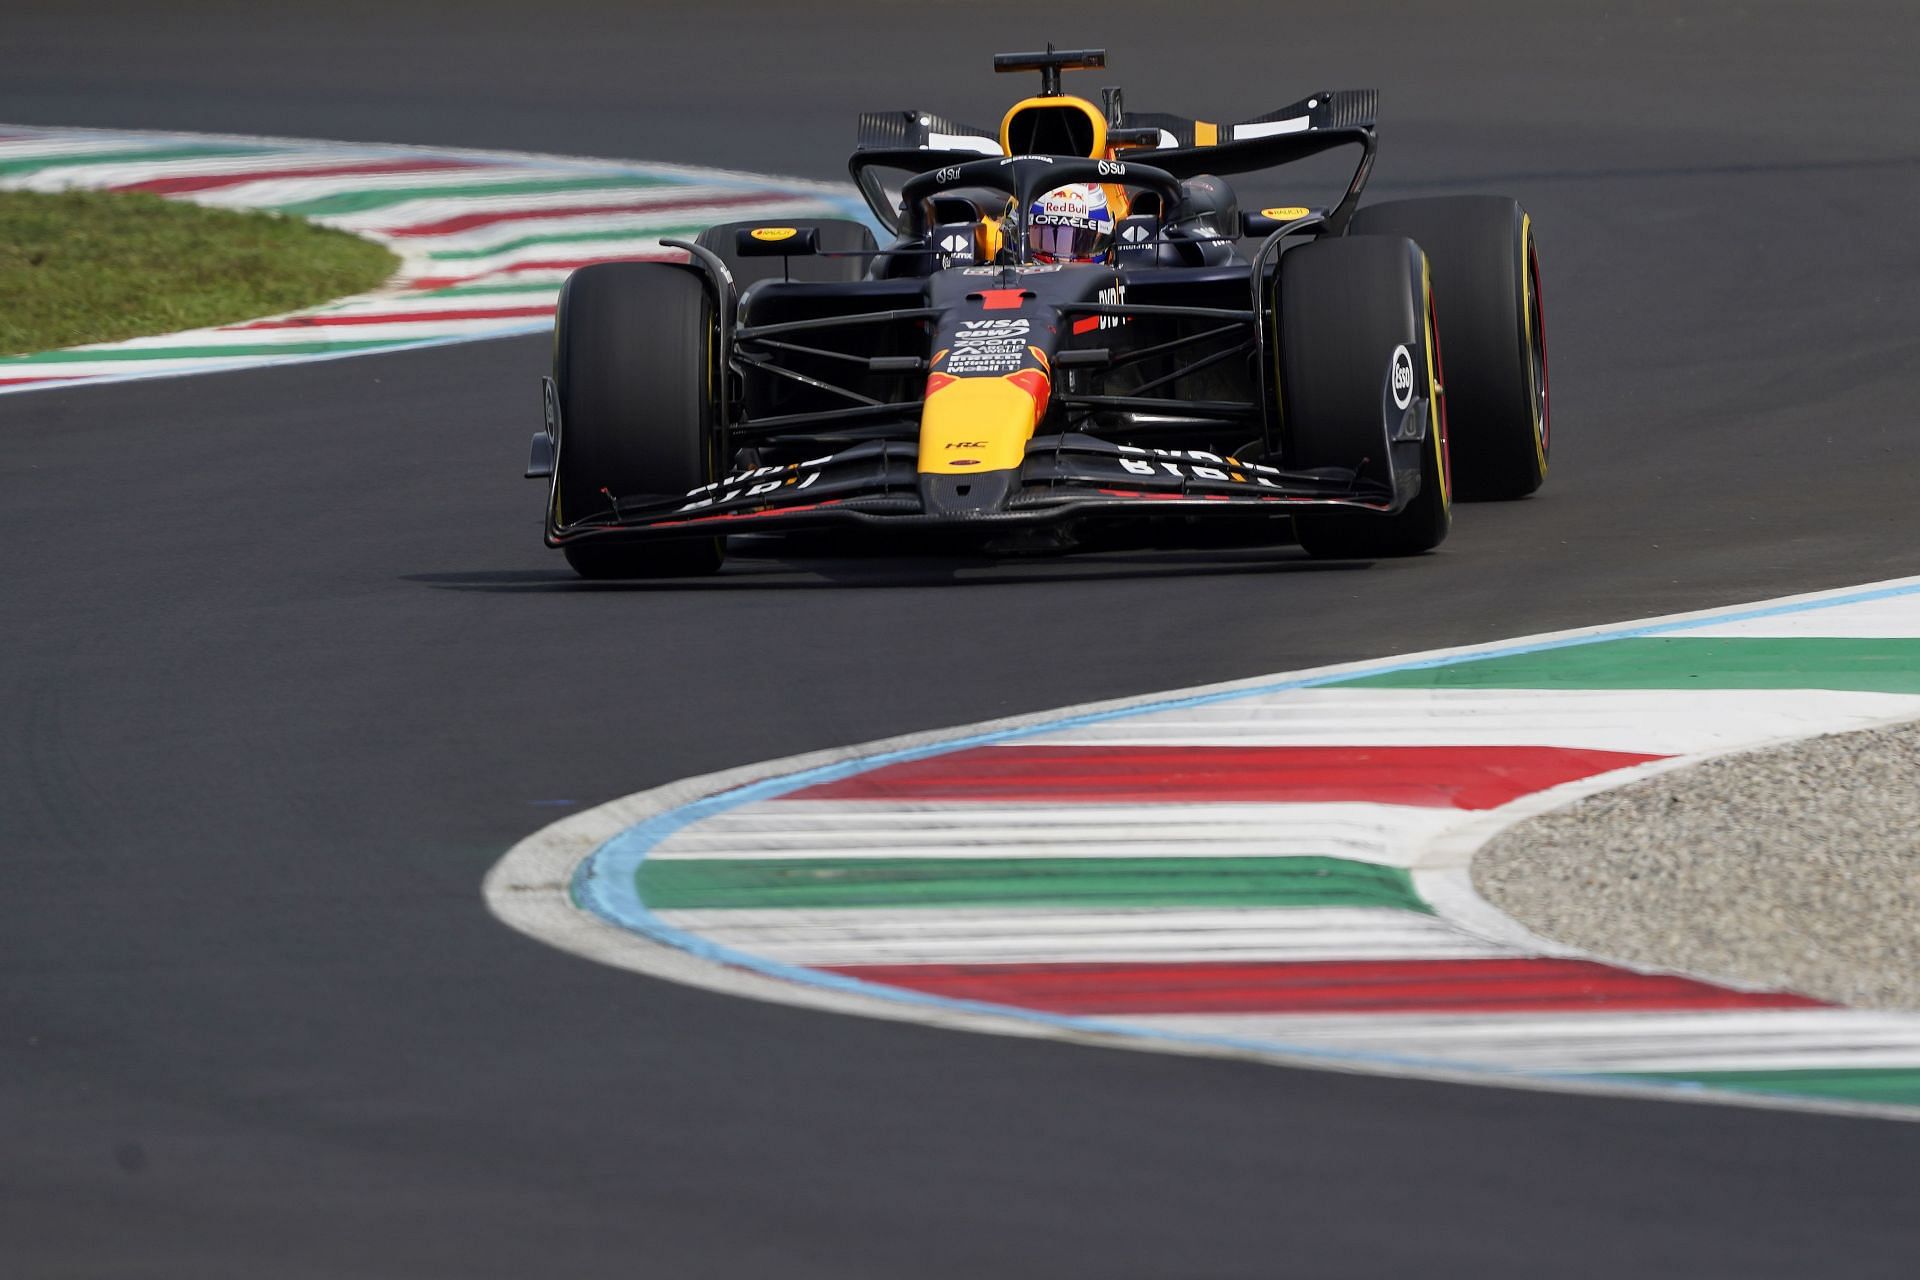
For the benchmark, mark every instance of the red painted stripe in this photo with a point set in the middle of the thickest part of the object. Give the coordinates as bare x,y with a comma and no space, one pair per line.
547,264
1434,777
395,317
1087,325
21,382
213,181
1520,985
469,221
1001,299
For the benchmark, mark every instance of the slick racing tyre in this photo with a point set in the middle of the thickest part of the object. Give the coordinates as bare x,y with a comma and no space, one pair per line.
1486,275
634,351
1343,306
836,235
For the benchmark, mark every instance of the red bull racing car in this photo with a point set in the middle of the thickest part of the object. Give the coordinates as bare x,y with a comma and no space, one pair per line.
1071,323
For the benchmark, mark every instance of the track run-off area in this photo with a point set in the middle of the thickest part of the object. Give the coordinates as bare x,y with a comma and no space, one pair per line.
1275,869
287,672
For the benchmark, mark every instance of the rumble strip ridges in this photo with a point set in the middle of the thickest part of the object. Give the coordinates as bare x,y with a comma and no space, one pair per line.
1273,869
484,238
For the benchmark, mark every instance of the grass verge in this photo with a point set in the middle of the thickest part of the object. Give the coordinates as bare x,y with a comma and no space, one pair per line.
86,266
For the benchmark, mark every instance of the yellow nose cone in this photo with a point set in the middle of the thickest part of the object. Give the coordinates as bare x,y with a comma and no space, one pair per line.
976,424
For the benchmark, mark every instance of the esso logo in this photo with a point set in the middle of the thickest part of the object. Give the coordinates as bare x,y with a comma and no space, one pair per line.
948,174
1112,169
1402,377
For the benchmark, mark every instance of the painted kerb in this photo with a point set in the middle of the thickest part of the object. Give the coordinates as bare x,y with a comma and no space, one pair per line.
1376,780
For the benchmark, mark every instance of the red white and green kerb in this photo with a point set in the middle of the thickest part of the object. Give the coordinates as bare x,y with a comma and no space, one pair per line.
484,238
1282,869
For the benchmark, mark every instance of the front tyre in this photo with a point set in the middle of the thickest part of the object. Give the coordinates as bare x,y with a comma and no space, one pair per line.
1486,272
634,352
1344,305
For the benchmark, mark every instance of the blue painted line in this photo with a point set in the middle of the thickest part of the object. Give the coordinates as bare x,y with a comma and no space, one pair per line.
606,881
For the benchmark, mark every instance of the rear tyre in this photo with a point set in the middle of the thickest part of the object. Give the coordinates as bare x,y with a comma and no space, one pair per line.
634,347
836,235
1344,305
1486,273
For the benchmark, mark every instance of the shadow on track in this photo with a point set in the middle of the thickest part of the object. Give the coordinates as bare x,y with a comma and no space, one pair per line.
746,574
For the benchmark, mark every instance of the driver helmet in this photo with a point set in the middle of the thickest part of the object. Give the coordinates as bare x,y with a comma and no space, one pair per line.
1070,224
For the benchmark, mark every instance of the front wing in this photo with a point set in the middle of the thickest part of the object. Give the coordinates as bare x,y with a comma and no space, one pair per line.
1064,477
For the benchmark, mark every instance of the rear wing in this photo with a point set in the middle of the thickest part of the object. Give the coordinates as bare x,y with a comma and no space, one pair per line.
1183,147
906,143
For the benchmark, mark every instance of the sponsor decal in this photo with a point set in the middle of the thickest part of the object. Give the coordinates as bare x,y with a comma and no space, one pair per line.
949,174
1112,297
1137,233
1195,464
1030,269
989,347
1112,169
1402,377
958,244
774,233
1286,213
756,483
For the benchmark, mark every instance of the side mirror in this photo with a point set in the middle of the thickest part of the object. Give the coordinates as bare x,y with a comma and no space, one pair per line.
776,242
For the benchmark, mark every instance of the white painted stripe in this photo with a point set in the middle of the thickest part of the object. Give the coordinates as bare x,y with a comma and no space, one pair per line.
1297,124
565,223
926,935
399,330
277,191
414,301
965,142
1891,618
1386,834
1759,1040
1653,722
440,208
125,172
539,251
56,145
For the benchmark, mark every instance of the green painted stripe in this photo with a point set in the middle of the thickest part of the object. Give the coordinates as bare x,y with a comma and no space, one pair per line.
508,246
1899,1085
473,290
81,356
365,201
1012,882
32,163
1680,662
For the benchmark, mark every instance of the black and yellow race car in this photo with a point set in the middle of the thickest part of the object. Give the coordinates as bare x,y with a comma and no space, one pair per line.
1071,323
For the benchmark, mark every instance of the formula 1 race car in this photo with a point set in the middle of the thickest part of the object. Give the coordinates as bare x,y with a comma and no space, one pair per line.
1063,331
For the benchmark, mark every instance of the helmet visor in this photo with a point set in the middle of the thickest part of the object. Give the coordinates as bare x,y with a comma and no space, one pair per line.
1065,242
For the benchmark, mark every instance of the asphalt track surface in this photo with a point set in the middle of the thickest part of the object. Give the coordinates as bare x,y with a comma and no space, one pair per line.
284,669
